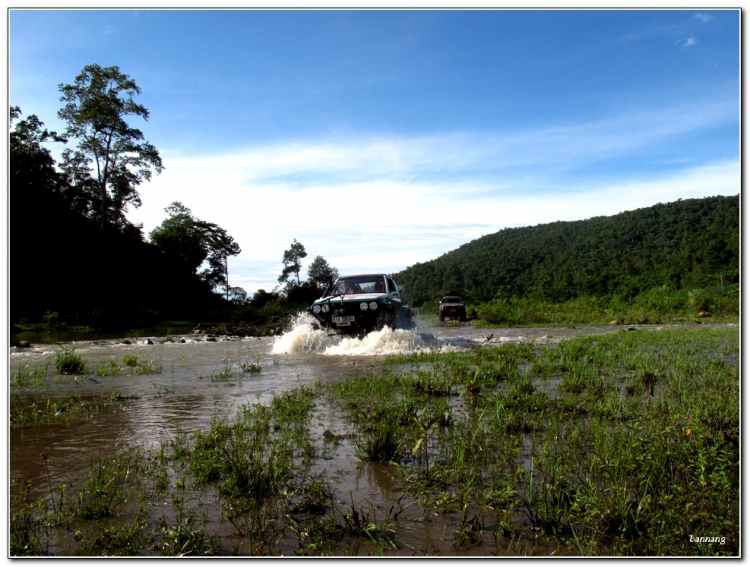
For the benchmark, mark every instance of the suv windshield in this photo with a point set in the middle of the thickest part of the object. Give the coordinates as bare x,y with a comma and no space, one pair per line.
361,284
451,299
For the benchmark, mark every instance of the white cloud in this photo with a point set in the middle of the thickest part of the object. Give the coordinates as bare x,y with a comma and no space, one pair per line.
378,203
704,17
687,42
467,155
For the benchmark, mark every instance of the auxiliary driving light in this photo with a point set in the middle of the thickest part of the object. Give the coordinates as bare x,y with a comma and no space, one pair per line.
316,308
325,308
373,305
363,306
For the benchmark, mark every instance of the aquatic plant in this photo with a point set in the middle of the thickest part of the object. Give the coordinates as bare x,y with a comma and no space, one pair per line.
67,362
224,373
25,376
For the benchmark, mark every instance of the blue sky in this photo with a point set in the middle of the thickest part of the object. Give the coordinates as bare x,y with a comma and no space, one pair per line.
384,138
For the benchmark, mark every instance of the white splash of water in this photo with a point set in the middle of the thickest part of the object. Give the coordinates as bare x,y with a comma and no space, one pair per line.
304,338
385,341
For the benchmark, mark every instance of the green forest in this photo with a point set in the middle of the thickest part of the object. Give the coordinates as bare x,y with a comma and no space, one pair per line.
687,244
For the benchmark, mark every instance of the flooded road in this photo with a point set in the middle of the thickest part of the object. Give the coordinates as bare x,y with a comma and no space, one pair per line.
182,383
203,378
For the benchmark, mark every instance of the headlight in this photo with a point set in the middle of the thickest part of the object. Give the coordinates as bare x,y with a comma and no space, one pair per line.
373,305
316,308
325,308
363,306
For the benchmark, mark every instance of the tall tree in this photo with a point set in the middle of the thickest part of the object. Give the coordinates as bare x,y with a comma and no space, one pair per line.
181,235
196,242
319,271
96,107
220,247
292,261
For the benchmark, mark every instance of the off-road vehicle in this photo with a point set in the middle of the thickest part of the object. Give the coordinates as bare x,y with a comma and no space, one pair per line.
452,306
362,303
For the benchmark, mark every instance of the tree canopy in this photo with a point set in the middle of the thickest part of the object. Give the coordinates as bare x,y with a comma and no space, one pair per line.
34,181
292,260
196,242
684,244
96,107
319,270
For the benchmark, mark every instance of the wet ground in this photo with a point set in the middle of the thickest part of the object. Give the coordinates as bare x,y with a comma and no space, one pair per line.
203,377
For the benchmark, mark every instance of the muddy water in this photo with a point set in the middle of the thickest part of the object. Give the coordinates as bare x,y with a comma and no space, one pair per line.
190,389
202,378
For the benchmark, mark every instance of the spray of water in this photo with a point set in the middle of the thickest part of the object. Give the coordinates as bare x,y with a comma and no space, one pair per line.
305,338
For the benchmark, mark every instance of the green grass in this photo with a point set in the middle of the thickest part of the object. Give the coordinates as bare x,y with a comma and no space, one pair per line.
658,305
137,366
67,362
621,444
24,376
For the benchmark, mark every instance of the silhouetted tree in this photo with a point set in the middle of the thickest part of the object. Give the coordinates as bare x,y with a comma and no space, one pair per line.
196,242
292,261
96,107
319,271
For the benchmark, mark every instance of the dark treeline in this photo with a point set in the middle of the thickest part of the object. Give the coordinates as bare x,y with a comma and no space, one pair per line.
686,244
74,256
62,261
76,259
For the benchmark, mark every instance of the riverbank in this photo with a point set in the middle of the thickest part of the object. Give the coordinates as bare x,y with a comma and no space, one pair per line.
657,306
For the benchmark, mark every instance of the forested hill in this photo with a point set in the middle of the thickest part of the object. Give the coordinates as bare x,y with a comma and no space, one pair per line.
685,244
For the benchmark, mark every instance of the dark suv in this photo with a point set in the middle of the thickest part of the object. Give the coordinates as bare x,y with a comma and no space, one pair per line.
362,303
452,306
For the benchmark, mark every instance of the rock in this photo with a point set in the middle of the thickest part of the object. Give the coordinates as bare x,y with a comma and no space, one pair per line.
126,342
14,343
211,339
183,341
704,314
615,322
148,342
24,344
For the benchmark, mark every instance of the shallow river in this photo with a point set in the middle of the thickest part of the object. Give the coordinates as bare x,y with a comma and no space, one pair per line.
201,379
